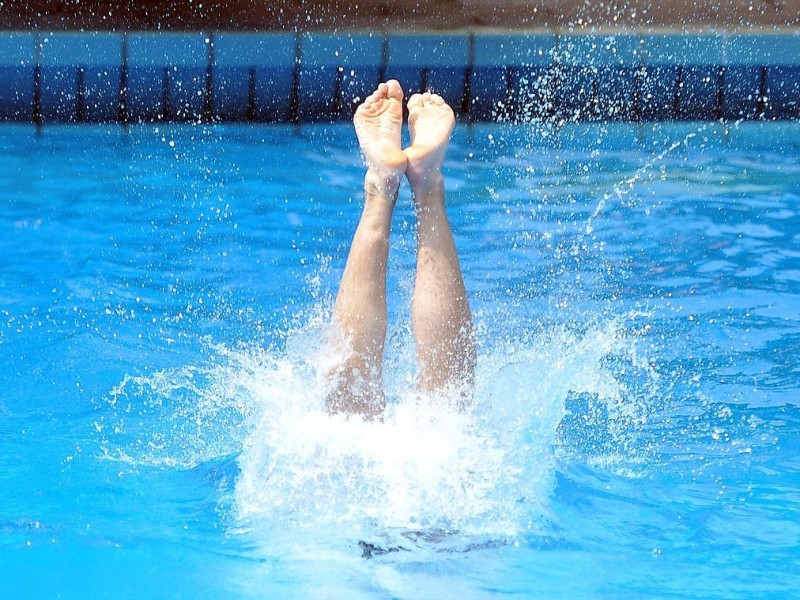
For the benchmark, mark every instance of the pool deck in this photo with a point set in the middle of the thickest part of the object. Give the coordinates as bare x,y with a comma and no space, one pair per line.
297,16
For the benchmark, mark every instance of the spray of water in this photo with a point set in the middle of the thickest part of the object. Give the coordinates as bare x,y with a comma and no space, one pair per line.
423,470
625,187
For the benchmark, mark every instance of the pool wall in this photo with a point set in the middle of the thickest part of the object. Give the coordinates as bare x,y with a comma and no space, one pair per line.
78,77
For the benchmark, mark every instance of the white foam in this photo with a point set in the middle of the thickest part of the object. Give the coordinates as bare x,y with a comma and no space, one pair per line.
425,467
489,470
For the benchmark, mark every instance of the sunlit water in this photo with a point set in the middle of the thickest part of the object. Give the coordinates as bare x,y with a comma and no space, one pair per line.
635,430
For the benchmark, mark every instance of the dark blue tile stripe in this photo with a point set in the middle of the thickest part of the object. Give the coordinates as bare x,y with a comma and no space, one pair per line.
564,89
123,114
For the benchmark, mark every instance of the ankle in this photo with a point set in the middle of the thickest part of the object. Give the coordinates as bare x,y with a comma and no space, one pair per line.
427,189
382,184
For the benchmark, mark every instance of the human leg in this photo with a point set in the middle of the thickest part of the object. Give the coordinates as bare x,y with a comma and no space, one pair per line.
442,320
360,308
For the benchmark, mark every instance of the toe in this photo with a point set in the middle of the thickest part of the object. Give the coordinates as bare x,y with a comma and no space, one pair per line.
414,101
393,89
437,99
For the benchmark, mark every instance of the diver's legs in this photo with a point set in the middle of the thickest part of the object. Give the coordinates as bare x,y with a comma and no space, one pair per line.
360,308
441,316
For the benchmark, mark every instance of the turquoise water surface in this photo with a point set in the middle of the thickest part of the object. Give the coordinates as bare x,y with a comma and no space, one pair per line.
636,426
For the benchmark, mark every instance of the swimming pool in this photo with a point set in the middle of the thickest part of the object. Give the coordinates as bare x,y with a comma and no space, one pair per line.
635,433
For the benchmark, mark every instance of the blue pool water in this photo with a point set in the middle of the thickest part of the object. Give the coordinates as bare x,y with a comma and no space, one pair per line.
636,425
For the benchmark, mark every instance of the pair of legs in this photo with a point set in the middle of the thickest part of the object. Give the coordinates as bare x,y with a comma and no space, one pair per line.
441,318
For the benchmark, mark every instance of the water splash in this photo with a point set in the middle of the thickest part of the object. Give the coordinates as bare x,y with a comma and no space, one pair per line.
424,470
626,186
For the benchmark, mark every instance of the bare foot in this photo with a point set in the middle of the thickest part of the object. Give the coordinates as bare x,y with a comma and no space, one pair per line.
430,121
378,121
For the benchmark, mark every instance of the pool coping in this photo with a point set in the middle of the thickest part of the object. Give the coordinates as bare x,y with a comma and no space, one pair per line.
377,15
